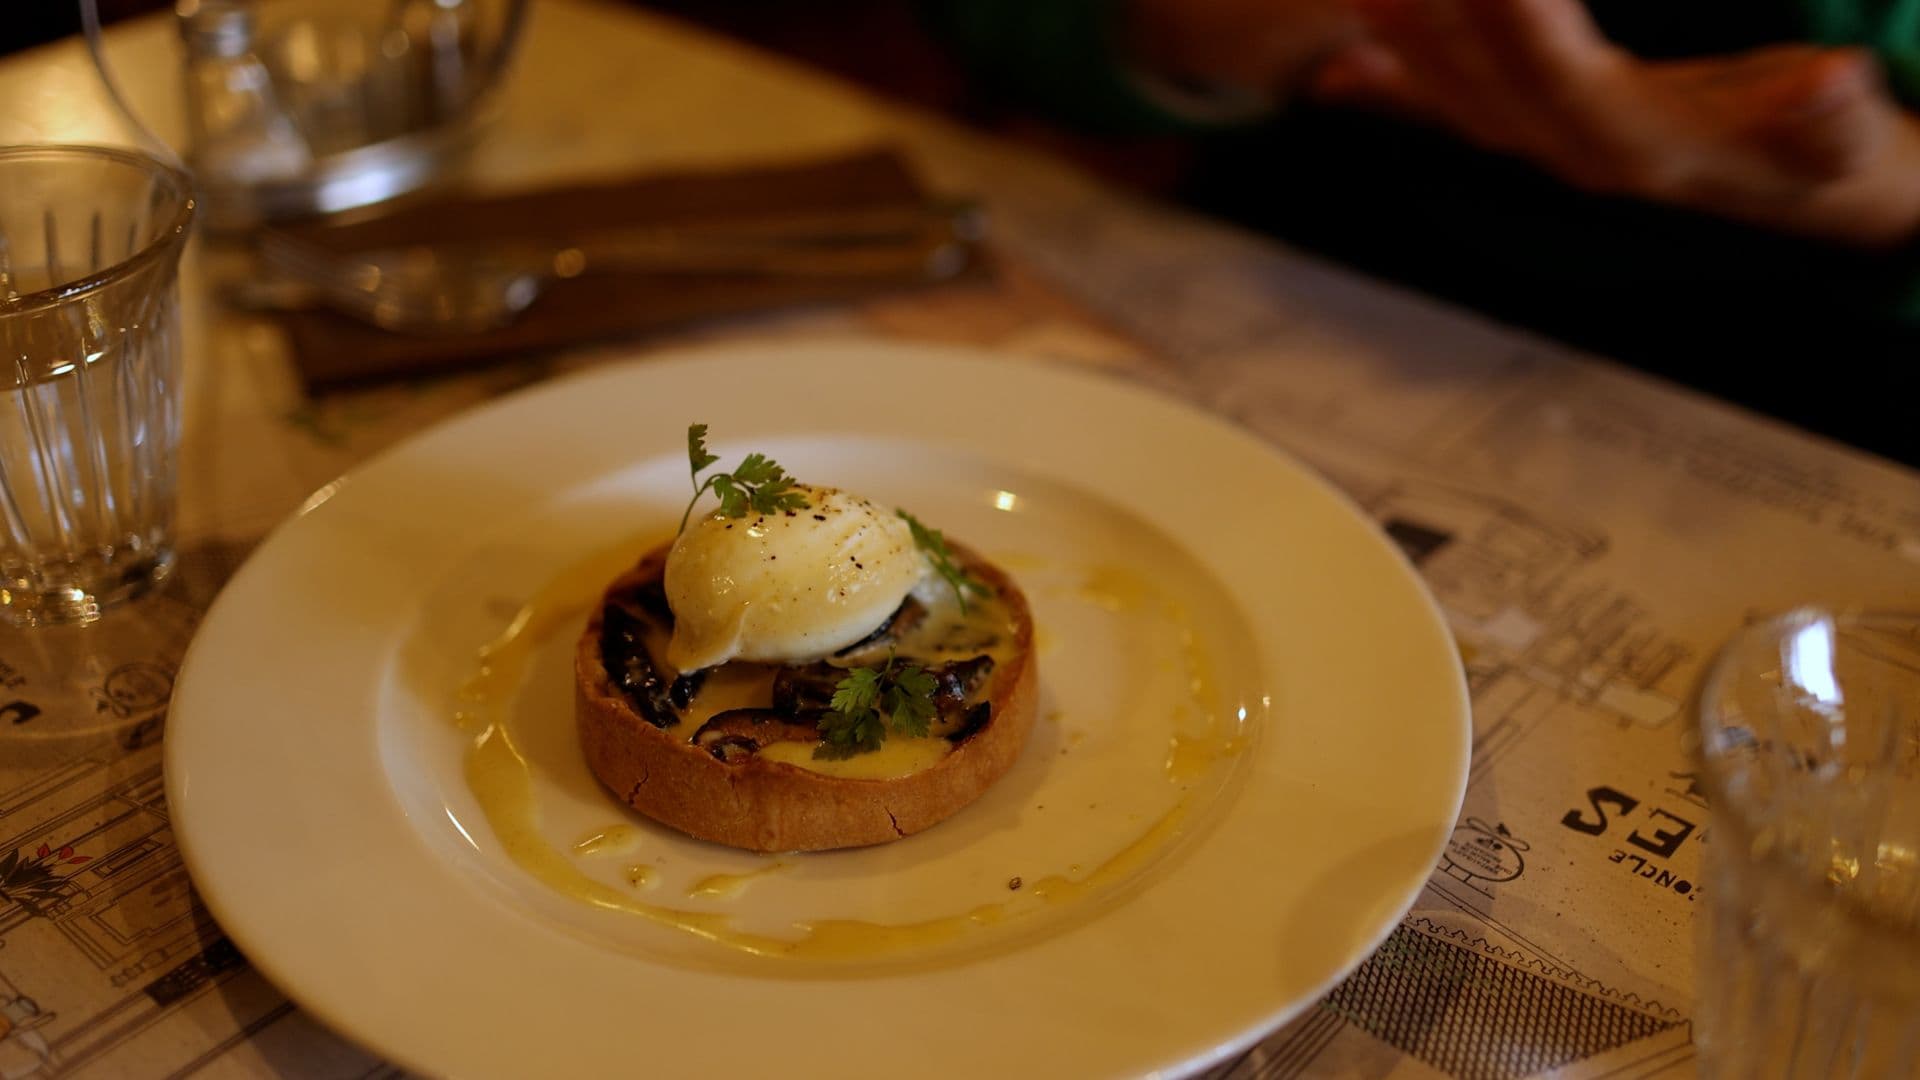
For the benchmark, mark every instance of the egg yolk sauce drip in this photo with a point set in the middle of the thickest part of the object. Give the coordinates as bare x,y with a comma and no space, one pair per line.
740,710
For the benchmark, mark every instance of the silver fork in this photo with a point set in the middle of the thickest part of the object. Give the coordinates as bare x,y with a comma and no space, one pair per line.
466,288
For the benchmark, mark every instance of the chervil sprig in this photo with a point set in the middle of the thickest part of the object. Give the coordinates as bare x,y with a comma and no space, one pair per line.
758,483
869,703
935,545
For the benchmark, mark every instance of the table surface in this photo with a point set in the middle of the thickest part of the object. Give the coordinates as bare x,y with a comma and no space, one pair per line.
1590,532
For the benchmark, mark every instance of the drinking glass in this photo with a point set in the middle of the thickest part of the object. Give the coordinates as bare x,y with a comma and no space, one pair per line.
302,107
90,243
1809,750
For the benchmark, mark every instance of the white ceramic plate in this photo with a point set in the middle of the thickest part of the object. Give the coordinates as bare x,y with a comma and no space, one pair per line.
1189,583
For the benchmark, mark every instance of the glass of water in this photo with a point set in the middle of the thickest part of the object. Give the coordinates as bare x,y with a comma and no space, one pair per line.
90,243
1809,745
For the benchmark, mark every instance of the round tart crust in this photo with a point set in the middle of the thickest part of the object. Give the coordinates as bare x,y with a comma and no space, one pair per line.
774,806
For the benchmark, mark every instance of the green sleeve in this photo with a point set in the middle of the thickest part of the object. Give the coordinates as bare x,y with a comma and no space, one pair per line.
1891,28
1061,56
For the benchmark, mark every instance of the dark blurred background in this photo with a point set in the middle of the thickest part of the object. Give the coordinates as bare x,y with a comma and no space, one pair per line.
1404,204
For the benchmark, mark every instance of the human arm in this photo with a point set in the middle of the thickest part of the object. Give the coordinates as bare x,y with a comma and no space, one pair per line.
1799,138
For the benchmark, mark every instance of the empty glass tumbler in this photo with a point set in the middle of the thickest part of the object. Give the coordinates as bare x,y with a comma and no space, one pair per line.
90,243
1810,753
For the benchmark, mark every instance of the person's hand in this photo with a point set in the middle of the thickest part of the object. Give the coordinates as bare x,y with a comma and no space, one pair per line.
1798,138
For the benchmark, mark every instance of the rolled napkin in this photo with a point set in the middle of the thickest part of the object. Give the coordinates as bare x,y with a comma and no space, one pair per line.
332,350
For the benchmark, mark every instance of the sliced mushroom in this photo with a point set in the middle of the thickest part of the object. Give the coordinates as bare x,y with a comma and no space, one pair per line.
731,748
970,723
686,686
623,649
909,614
958,678
736,733
799,689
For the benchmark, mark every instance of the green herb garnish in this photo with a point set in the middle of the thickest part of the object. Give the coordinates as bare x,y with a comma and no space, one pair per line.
758,483
935,545
870,703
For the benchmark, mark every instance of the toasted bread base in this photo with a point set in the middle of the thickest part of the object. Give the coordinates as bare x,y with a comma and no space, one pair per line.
774,806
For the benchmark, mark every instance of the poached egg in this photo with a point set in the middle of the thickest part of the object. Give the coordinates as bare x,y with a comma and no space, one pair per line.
788,587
